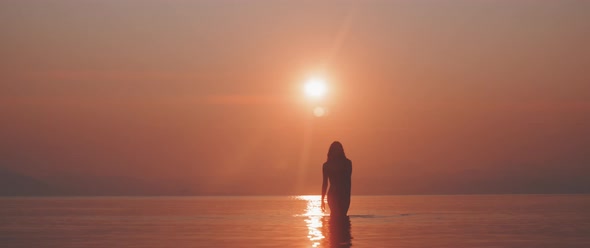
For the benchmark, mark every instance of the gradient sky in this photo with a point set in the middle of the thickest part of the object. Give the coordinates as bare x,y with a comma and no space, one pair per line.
205,97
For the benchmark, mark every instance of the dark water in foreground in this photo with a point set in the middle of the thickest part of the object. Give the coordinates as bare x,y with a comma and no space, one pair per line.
375,221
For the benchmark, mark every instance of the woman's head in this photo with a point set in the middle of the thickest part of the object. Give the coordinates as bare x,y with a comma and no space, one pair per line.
336,151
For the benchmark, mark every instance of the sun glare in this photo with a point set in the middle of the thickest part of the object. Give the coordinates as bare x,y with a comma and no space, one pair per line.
315,88
314,216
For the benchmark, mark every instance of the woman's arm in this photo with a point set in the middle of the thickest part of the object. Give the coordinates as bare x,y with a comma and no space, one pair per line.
324,186
349,186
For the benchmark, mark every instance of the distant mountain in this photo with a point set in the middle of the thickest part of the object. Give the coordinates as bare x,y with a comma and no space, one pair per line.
16,184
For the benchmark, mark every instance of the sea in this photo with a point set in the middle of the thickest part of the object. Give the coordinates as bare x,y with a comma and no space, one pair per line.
512,221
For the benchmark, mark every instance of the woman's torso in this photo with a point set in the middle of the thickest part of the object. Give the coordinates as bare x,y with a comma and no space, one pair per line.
339,175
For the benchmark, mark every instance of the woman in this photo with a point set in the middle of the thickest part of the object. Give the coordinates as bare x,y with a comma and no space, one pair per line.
337,170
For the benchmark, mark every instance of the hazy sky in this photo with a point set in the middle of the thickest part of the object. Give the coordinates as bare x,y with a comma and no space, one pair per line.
205,97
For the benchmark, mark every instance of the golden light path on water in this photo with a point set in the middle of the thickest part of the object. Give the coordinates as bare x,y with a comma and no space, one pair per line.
314,215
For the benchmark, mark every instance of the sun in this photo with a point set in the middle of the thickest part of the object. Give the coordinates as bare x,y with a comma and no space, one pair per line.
315,88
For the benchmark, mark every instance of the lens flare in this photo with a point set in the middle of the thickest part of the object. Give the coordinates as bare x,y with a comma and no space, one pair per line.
319,111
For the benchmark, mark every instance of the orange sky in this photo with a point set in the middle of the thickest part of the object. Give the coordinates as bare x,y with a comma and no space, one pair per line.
205,97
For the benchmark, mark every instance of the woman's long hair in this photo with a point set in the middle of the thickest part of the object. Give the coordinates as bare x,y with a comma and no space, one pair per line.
336,152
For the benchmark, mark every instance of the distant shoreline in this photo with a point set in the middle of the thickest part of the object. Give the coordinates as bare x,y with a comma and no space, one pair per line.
254,196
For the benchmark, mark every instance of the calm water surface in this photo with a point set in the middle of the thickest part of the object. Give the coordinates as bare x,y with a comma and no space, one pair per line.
375,221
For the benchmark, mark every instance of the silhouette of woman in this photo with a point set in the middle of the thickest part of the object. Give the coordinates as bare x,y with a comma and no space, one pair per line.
337,170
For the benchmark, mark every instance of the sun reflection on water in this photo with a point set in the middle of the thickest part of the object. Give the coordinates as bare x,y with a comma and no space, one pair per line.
314,215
